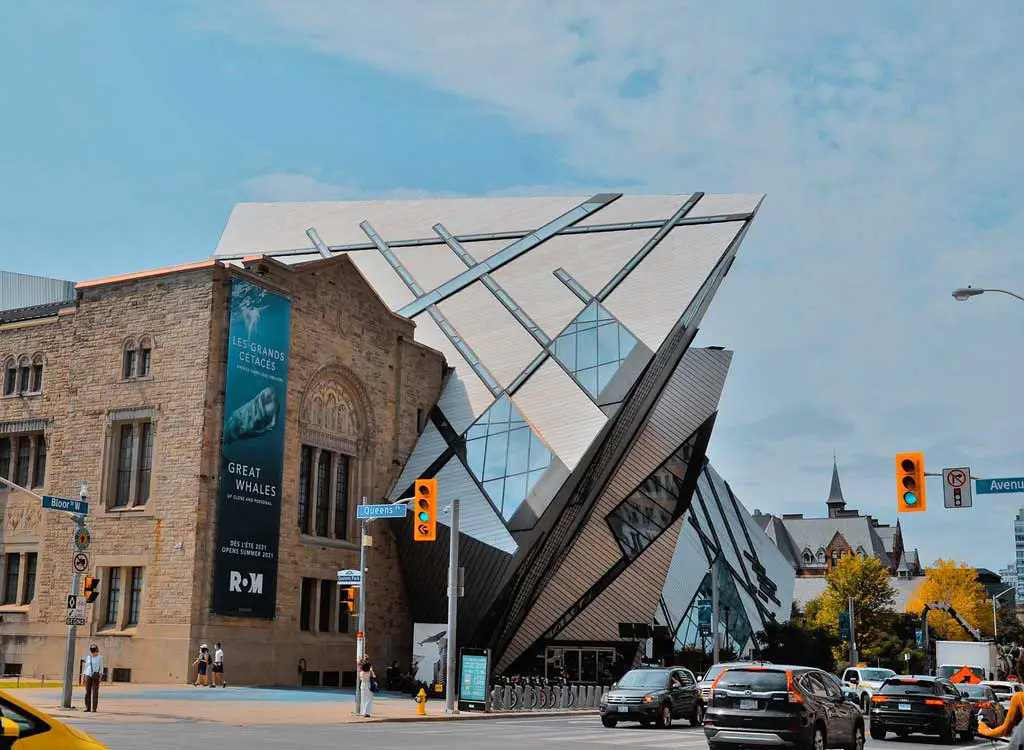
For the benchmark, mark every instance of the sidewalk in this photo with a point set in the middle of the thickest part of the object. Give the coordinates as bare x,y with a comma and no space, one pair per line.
242,706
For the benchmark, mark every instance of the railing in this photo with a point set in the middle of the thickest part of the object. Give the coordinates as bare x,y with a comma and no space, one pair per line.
544,698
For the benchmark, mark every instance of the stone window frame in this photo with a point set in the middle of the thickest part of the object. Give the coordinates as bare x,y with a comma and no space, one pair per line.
356,442
23,375
36,437
114,419
136,361
122,568
23,550
314,607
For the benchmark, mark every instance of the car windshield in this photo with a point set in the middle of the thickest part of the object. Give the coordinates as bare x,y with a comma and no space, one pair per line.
755,680
876,675
975,691
1001,689
644,678
908,687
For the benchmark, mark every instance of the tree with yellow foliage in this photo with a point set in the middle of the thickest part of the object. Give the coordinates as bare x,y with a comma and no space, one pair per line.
956,584
867,581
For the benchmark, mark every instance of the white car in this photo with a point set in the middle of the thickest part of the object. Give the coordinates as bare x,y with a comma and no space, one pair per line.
1004,690
864,681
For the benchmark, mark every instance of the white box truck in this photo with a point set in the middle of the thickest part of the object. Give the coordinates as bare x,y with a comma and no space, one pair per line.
966,661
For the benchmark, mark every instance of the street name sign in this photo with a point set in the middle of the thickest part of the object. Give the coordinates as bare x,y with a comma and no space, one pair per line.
76,610
70,505
383,510
999,486
349,578
956,488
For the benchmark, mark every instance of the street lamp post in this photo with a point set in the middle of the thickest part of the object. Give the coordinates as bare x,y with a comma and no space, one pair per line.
995,619
965,293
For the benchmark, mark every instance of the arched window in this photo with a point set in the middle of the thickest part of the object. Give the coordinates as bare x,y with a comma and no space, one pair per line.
837,555
24,373
128,359
808,558
145,356
37,374
10,376
137,357
821,555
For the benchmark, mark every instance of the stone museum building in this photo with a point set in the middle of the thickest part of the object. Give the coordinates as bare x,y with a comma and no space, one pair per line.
534,355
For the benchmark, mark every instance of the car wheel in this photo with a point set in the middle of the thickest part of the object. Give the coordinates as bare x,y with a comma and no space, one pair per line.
665,717
609,721
948,736
698,714
818,739
877,732
858,738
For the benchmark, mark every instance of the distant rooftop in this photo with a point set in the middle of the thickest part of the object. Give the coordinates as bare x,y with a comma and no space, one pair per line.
20,291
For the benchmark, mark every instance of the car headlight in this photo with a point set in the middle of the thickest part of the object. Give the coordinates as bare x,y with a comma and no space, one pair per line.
648,699
604,698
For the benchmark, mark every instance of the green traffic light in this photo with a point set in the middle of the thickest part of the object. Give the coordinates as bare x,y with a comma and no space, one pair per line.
424,517
910,498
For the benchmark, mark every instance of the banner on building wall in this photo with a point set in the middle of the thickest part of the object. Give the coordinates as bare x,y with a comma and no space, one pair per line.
252,453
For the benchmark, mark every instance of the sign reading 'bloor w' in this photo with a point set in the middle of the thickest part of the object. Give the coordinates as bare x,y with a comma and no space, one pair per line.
252,453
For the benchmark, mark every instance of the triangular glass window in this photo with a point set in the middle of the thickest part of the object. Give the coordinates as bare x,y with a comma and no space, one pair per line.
505,455
592,348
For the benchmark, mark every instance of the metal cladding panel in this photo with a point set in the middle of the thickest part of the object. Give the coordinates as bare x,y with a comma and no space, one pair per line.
465,397
497,338
725,528
429,446
481,250
382,278
255,228
477,517
531,282
19,290
425,570
560,412
632,597
722,204
687,401
593,259
431,265
777,567
632,208
655,295
751,610
690,564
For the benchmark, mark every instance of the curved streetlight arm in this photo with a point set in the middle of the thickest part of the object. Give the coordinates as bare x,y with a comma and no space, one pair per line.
968,292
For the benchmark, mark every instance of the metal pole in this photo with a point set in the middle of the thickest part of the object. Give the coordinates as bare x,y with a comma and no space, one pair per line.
714,611
451,680
995,620
361,632
76,590
853,634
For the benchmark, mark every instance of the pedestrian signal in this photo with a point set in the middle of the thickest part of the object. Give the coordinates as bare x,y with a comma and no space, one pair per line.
424,528
910,491
350,599
844,626
92,589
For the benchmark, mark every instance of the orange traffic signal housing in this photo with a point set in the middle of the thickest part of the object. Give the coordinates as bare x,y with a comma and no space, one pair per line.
92,589
424,506
350,599
910,490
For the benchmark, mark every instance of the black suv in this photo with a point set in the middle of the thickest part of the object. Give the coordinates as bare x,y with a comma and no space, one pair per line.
656,695
791,706
925,705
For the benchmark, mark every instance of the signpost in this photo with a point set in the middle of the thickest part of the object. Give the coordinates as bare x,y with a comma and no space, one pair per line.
66,504
999,486
956,488
384,510
350,578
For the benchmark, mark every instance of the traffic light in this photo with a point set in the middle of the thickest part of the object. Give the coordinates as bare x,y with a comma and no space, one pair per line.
350,599
92,589
424,528
844,626
910,492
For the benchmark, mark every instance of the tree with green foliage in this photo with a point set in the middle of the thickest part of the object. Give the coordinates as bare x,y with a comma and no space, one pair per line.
794,642
867,581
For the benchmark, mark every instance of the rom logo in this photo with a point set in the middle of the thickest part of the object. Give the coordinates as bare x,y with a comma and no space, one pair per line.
251,583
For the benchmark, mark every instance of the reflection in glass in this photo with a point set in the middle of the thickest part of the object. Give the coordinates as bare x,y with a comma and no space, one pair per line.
642,517
505,455
593,347
732,615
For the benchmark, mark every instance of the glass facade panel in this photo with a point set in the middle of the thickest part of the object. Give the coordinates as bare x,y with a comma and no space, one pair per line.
593,347
642,517
505,455
733,624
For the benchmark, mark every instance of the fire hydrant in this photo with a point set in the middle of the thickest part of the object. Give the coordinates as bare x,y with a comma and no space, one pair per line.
421,703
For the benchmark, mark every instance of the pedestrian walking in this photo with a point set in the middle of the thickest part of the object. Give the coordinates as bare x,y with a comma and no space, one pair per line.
367,686
202,665
93,673
218,666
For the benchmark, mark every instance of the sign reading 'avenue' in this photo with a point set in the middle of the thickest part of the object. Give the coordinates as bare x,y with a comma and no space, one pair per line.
999,486
384,510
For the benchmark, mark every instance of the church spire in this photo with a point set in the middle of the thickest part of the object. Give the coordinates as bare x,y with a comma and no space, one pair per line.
836,502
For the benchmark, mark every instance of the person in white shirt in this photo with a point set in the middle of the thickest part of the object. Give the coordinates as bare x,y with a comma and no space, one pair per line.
218,666
93,673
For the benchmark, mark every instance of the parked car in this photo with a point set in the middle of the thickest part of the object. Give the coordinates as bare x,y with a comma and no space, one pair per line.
1004,691
921,705
865,681
792,706
653,695
705,682
984,703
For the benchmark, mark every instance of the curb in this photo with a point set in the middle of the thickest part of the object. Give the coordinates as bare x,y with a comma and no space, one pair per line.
483,716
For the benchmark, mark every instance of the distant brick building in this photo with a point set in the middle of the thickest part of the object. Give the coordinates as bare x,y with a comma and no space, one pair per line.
121,383
814,545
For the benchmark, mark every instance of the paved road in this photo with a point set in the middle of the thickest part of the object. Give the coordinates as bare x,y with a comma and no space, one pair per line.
556,733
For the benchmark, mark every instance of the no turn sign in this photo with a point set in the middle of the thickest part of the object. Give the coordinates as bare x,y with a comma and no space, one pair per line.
956,488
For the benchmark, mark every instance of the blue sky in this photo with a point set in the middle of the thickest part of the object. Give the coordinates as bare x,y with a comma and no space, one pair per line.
886,137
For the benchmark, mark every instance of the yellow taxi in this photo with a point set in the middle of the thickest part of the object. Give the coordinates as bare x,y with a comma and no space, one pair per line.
27,728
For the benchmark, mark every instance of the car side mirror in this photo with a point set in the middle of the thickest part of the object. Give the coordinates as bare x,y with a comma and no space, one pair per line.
614,685
10,728
850,695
